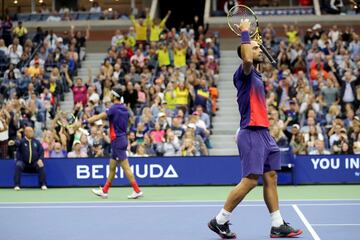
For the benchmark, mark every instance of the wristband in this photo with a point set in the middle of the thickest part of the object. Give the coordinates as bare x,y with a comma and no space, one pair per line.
245,37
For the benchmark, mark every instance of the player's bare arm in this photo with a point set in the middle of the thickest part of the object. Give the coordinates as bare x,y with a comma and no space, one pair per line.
246,47
101,116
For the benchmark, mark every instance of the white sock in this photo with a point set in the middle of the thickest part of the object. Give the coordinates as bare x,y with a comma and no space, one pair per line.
276,219
223,217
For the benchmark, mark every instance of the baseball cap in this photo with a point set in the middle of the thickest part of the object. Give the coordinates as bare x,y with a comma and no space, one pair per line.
76,142
99,122
94,97
316,26
191,125
161,114
296,126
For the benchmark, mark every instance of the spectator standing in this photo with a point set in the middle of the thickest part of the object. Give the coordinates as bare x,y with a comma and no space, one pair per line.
140,28
21,32
156,27
6,26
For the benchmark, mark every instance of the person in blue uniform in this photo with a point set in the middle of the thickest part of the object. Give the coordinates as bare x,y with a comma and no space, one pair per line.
29,155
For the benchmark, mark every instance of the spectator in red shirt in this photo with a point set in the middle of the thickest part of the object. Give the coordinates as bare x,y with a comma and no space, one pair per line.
80,90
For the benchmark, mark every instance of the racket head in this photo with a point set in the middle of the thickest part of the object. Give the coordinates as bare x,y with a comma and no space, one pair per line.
238,12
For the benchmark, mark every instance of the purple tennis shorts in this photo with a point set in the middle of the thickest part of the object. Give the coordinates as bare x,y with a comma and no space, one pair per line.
118,148
258,151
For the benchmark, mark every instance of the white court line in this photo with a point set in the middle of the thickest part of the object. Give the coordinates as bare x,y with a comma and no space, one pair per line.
127,205
306,222
139,204
336,225
117,206
196,201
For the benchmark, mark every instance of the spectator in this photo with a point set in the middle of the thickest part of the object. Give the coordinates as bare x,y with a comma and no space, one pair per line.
291,33
140,151
117,38
15,51
58,151
228,5
334,134
76,152
156,27
20,32
279,136
96,150
334,34
79,90
319,149
354,47
4,132
140,28
297,142
6,26
348,83
150,147
333,6
80,41
43,8
163,55
29,158
170,146
95,8
311,136
188,148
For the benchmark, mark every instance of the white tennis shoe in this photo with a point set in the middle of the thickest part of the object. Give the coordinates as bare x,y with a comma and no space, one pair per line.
99,192
135,195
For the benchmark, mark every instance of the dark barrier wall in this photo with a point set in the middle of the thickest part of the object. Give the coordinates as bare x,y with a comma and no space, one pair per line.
149,171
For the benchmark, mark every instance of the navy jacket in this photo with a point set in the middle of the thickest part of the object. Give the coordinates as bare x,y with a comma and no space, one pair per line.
29,151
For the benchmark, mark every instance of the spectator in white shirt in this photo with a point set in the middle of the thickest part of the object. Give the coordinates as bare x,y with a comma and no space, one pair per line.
95,8
15,51
76,152
319,148
116,39
334,34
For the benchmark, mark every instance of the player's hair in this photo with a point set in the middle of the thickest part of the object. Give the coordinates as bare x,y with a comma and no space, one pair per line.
117,92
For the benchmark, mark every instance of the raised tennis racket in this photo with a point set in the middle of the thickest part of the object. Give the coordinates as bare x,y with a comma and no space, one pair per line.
238,12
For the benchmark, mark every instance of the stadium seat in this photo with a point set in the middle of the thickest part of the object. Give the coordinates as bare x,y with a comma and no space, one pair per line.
35,17
94,16
23,17
83,16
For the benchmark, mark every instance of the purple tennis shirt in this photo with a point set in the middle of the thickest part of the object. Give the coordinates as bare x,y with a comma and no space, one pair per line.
251,98
118,116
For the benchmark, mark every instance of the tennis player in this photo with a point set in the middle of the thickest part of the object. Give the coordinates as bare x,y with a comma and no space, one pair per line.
258,151
118,116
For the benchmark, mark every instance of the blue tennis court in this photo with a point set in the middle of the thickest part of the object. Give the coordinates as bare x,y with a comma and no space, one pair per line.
330,220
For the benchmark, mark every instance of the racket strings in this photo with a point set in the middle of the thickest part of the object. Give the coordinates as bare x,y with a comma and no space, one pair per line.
237,13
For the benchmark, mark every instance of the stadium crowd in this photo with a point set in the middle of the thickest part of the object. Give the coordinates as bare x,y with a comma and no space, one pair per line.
313,94
168,78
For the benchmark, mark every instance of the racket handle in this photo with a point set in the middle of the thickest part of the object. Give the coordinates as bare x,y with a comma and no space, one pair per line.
268,55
